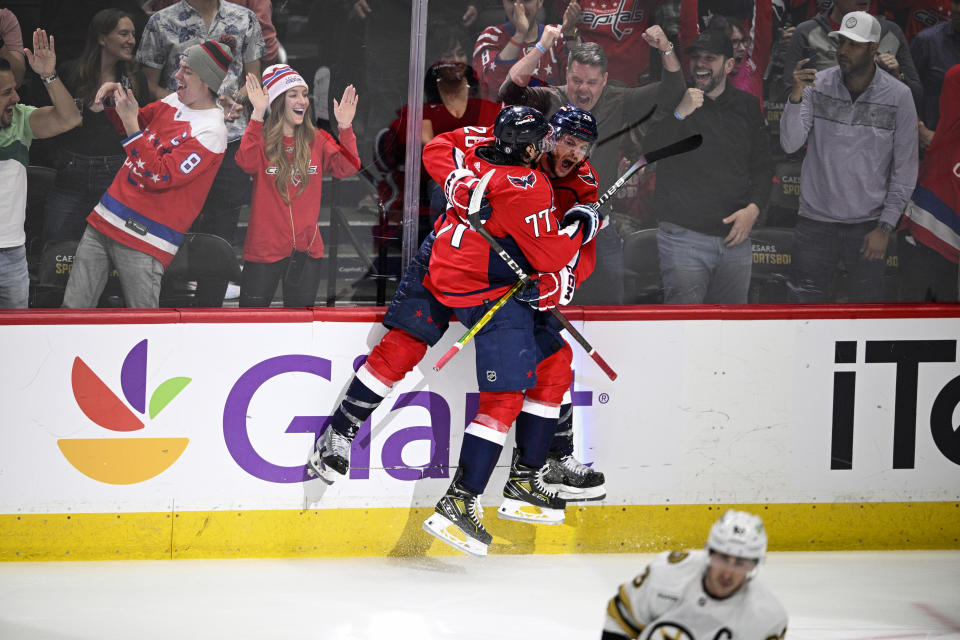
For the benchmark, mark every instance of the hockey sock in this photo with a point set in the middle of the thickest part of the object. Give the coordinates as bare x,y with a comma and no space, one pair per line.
536,425
357,404
478,457
562,443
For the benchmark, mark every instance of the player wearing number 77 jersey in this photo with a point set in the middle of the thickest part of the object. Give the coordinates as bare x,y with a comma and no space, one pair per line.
547,406
709,594
174,147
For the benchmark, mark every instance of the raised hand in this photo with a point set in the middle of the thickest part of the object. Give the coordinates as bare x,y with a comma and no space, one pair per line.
127,109
521,23
656,38
360,9
469,16
890,63
802,78
259,99
691,101
346,109
550,34
571,17
106,92
43,58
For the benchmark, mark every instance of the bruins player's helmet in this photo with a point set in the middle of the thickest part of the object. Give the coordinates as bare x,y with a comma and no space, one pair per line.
517,127
740,534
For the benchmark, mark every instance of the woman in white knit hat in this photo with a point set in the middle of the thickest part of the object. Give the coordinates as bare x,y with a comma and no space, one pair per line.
287,157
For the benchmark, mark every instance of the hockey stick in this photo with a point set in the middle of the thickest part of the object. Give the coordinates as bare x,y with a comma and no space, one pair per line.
682,146
628,127
473,215
479,324
687,144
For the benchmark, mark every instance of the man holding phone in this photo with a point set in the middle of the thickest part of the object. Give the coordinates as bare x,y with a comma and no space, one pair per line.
811,41
174,149
860,126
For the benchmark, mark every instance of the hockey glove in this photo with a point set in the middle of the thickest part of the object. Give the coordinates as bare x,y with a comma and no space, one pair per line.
547,290
458,187
581,218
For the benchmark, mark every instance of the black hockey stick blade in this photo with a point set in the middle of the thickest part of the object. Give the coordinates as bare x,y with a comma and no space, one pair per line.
681,146
628,127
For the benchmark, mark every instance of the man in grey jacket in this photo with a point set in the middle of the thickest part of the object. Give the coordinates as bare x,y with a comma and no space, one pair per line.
860,126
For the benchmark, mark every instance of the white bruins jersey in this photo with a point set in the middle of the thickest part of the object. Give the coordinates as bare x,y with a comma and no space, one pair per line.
668,602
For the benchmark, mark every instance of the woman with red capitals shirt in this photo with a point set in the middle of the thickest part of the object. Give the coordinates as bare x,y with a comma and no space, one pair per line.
287,155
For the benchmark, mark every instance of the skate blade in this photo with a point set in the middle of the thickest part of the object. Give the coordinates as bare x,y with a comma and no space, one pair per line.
574,494
316,469
524,512
444,530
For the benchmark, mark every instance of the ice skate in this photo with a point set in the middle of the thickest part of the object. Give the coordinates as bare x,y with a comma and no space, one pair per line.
330,459
572,480
456,521
527,499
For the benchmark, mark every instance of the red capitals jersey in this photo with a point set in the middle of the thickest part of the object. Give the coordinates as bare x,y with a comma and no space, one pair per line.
464,271
618,26
916,15
492,70
933,213
578,187
447,152
165,178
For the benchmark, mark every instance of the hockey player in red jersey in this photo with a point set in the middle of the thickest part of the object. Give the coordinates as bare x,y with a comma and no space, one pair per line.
463,273
417,319
174,148
708,593
574,184
548,405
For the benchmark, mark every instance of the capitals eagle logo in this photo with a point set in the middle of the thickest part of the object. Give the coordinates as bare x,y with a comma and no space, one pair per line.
524,182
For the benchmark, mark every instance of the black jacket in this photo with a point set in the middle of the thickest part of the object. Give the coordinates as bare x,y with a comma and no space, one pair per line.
731,169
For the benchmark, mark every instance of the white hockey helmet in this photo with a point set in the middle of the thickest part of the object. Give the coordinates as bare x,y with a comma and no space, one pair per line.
740,534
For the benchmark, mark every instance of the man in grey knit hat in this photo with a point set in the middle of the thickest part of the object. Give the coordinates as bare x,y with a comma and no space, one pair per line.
174,148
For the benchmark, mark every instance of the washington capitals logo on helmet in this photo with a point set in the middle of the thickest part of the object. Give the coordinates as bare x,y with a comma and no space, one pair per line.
525,182
589,178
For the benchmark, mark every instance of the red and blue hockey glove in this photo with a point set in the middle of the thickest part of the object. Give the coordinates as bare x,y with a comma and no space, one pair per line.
547,290
458,187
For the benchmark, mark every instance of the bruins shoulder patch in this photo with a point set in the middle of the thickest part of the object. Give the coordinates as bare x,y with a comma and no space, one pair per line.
677,556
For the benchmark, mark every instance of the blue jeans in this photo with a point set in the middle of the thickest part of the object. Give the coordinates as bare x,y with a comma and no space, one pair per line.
818,247
697,268
80,182
14,280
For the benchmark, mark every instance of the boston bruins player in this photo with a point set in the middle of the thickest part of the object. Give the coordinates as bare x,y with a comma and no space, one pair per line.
709,594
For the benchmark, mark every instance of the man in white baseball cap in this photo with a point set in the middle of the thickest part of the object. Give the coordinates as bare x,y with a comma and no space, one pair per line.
814,40
857,40
858,26
860,126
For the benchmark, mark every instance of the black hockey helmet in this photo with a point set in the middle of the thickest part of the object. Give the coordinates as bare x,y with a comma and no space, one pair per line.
577,122
518,126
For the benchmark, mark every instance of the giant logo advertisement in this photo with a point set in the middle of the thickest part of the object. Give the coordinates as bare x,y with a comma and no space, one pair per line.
203,416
